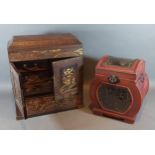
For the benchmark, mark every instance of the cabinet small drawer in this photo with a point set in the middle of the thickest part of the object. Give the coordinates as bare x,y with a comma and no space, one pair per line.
32,66
37,83
39,105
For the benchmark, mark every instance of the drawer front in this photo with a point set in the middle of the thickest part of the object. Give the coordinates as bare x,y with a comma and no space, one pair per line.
37,83
40,105
47,104
30,66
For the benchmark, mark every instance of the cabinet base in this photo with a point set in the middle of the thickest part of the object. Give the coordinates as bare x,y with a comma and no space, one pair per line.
100,112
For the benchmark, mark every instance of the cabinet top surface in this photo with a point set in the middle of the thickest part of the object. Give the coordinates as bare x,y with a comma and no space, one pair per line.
42,41
120,62
121,65
37,47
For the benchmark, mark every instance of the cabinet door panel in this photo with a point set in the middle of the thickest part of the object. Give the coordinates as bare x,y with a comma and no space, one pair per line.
68,82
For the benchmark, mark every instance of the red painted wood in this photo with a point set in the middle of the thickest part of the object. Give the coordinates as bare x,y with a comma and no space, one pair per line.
130,78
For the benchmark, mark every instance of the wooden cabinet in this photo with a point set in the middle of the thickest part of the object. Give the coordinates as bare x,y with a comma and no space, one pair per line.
46,73
119,88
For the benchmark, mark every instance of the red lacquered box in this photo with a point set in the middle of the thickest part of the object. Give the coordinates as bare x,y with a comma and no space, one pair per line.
119,88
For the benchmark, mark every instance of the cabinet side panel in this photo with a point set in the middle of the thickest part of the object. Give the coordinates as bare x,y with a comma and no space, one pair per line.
15,78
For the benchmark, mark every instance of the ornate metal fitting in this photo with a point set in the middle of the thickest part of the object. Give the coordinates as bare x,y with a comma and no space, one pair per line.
113,79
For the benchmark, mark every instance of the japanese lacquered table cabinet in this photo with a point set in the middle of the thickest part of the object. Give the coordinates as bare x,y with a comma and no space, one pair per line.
46,73
119,88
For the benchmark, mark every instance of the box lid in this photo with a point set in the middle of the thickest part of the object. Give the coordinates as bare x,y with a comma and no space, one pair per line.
120,66
31,47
